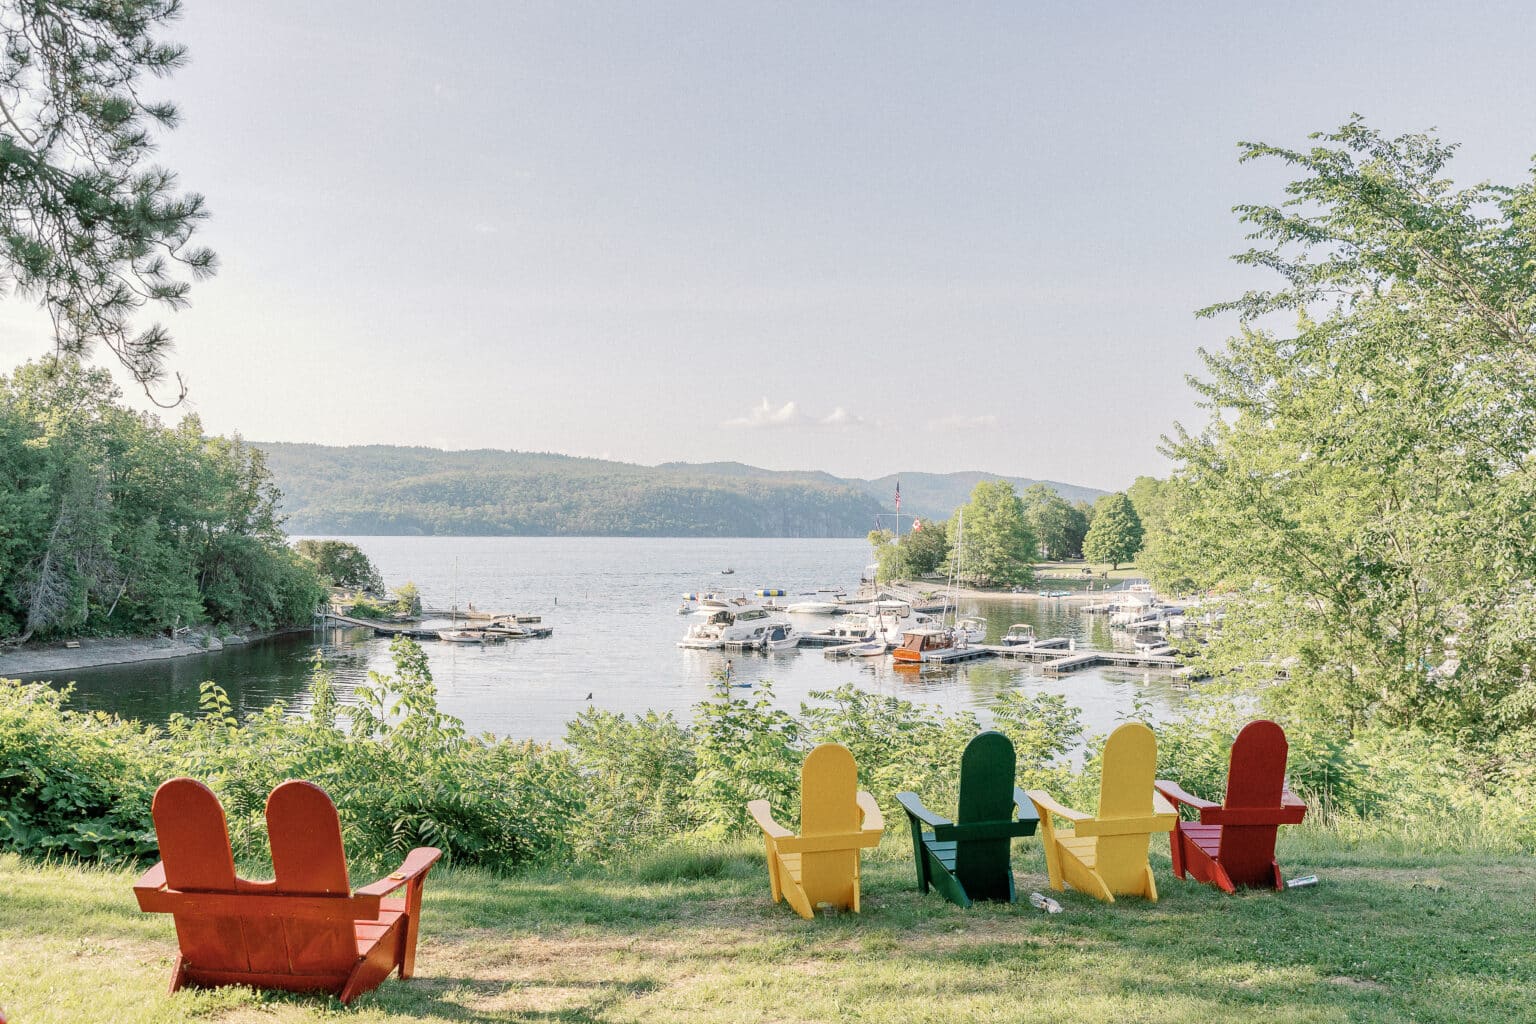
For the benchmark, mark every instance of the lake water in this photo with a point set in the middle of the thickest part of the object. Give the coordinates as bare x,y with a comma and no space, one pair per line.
612,603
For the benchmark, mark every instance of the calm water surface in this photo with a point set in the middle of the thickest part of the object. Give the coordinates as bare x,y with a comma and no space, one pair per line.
613,605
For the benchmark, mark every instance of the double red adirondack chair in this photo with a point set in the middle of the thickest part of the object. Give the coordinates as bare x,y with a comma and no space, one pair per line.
1234,842
305,930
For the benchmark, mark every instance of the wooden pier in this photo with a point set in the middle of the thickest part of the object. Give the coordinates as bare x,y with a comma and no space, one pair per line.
382,628
1126,659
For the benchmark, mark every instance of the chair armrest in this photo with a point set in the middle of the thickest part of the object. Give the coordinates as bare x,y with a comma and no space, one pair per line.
1173,791
913,805
764,817
1045,804
1025,806
1289,799
150,882
874,821
417,863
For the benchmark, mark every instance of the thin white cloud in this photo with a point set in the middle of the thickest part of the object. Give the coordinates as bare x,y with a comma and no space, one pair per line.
444,91
842,419
765,415
485,229
958,421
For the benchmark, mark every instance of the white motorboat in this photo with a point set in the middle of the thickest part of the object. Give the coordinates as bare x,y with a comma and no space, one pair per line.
971,630
466,636
814,608
867,649
849,627
727,625
781,637
1019,634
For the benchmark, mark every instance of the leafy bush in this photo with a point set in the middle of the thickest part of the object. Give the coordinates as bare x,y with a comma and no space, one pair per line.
403,773
72,783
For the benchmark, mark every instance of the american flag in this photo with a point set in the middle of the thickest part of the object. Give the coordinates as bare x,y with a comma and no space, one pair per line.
898,495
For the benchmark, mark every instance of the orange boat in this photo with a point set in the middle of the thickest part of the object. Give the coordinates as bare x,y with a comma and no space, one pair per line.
918,645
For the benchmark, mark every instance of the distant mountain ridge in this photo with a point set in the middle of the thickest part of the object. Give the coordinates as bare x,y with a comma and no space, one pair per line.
400,490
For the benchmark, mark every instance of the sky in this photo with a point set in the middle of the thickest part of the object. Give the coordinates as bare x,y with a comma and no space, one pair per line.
855,237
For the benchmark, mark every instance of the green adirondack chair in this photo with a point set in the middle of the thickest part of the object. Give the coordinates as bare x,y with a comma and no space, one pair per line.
967,860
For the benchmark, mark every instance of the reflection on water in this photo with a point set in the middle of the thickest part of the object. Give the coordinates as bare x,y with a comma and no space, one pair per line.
613,605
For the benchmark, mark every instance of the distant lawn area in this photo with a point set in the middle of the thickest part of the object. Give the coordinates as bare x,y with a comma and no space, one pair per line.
1074,570
693,938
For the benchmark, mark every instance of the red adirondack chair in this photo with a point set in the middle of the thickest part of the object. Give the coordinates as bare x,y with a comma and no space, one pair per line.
1234,842
305,930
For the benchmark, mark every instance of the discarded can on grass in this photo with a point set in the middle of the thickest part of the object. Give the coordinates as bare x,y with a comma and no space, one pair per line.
1045,903
1302,882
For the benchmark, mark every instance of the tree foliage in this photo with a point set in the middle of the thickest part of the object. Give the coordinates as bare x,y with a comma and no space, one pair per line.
111,522
1116,533
1058,526
1365,483
341,563
919,552
88,226
999,546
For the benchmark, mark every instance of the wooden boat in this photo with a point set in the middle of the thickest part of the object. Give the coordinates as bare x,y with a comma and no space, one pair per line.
918,645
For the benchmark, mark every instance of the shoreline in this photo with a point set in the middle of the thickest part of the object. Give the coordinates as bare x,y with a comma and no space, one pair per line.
102,652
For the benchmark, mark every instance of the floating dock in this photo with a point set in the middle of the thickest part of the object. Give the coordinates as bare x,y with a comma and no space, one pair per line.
1127,659
382,628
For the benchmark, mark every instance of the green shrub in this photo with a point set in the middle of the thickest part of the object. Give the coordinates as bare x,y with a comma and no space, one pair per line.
651,789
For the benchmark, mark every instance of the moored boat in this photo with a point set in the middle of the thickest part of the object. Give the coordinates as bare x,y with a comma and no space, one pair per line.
781,637
972,629
919,644
726,625
1018,634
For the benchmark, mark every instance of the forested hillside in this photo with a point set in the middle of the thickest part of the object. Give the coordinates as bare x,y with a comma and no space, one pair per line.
382,489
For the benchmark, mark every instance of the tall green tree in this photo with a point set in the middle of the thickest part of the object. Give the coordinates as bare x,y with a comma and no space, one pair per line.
1171,558
89,226
1050,518
113,522
342,564
1077,527
1365,485
998,545
1115,535
924,547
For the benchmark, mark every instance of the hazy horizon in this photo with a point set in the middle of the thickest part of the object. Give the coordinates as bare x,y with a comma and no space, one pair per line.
864,240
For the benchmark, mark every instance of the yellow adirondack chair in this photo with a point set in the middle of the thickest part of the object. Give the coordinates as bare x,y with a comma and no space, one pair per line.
1107,854
821,864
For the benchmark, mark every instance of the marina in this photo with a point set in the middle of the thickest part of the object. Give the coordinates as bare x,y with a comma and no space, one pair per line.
612,604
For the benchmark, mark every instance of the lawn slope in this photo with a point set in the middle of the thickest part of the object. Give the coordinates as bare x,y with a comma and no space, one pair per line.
694,938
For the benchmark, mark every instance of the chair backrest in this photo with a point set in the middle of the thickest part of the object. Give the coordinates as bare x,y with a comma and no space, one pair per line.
829,794
982,866
1256,772
194,848
829,787
1129,766
308,859
986,779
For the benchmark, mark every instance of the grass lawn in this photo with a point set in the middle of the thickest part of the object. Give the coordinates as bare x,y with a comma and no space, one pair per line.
1385,937
1074,570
